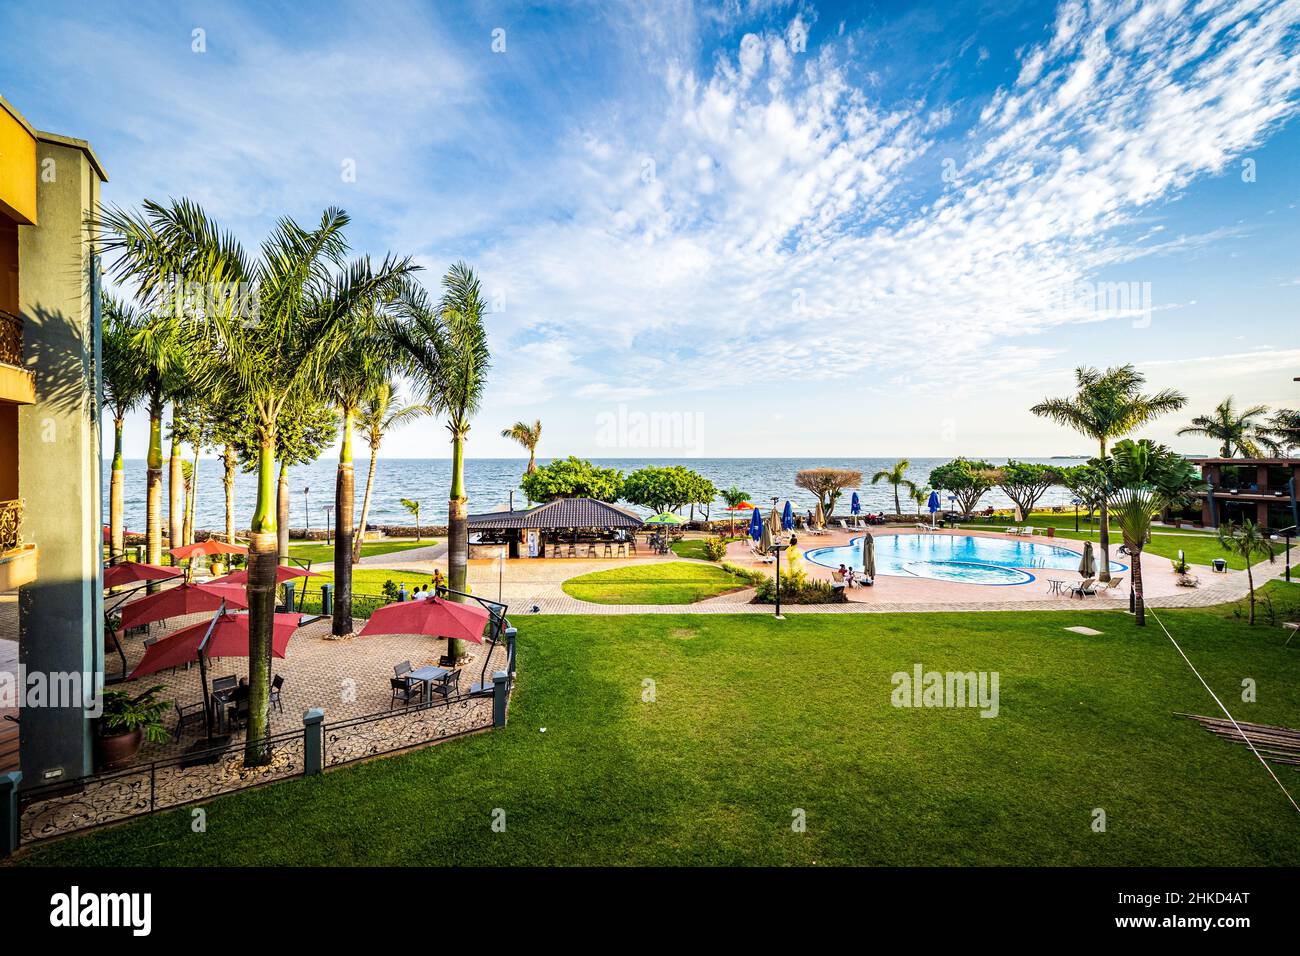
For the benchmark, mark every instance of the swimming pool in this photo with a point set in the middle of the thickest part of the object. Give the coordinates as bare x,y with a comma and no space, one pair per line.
963,558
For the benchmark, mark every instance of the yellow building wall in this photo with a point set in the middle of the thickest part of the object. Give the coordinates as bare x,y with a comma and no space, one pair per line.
17,168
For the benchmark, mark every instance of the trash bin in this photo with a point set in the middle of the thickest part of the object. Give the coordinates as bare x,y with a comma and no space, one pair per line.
1220,565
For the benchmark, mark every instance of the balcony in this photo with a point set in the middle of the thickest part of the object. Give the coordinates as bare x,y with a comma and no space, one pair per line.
17,560
16,383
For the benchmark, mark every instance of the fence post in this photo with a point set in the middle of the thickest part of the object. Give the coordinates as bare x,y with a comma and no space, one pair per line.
288,596
327,599
500,693
9,812
313,741
511,634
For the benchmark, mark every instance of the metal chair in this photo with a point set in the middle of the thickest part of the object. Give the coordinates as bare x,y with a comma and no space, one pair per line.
447,686
404,690
187,712
276,685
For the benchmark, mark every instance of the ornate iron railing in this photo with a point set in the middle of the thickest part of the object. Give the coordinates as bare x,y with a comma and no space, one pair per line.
11,524
11,339
359,738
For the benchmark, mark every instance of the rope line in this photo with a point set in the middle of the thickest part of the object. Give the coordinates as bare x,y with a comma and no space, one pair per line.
1232,719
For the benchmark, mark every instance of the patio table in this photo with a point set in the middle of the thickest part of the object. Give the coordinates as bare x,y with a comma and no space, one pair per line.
1057,586
426,675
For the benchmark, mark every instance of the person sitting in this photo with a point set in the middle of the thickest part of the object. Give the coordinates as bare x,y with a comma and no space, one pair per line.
850,577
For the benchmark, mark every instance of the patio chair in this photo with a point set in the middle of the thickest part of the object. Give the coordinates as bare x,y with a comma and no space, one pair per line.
187,712
1086,586
404,691
447,686
1108,586
402,669
277,684
237,714
224,683
837,581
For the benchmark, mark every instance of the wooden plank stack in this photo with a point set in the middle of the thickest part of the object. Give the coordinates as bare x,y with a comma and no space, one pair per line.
1280,745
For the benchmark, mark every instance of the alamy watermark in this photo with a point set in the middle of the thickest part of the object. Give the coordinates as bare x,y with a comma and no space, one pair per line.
31,690
625,428
922,688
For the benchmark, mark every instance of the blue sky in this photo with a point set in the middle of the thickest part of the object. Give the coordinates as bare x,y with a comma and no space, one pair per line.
750,228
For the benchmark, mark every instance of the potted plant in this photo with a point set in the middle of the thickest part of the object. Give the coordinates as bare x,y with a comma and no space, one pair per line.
124,725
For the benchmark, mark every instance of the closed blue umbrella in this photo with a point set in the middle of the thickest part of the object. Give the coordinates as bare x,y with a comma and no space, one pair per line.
855,506
756,525
787,517
933,505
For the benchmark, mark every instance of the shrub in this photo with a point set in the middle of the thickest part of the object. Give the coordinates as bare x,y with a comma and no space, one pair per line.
715,549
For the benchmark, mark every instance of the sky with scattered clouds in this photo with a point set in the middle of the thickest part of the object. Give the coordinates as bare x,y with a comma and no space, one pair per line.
749,228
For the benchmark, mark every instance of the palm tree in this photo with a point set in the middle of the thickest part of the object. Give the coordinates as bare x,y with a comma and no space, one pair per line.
380,412
528,436
124,387
1236,431
920,496
414,508
160,350
448,351
356,372
1147,478
895,476
304,295
1284,428
734,498
1247,541
1108,405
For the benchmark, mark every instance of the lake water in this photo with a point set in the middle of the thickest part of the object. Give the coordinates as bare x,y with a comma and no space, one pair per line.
490,481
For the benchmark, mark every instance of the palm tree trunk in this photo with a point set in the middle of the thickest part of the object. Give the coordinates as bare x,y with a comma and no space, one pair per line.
262,549
192,500
898,508
116,491
229,481
282,514
457,529
1250,583
344,493
153,497
1104,532
1139,606
365,506
175,492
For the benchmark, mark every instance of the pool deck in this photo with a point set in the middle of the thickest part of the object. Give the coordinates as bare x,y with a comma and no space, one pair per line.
529,583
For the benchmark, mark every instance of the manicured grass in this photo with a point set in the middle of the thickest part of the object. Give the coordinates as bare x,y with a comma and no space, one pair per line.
693,547
670,583
751,719
320,551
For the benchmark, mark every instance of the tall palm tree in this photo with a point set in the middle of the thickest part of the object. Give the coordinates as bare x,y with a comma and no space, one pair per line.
160,349
1146,478
894,475
448,351
1247,541
1108,405
381,412
270,340
124,388
528,436
357,370
1237,432
1284,428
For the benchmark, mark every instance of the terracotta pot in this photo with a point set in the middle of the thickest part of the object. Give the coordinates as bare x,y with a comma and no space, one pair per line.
114,751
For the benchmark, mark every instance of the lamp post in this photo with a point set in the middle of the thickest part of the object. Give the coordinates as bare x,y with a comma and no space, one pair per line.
1286,534
778,548
1076,502
306,513
328,509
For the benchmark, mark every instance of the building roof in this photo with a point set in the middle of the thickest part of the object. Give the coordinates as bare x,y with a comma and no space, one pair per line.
1245,461
561,513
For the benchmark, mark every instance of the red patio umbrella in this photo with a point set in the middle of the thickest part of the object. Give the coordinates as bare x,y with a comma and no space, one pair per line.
282,573
432,616
229,639
133,572
210,547
186,599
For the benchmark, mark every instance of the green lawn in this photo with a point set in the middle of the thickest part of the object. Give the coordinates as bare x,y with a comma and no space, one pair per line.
674,582
320,551
752,719
693,547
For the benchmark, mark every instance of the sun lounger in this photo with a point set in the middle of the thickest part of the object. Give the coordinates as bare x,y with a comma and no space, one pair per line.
837,581
1086,586
1109,586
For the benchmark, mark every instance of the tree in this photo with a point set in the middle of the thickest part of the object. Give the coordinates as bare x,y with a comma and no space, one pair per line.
734,498
380,412
828,484
1105,406
414,508
895,475
528,436
448,352
124,387
1146,479
967,480
1089,483
1284,429
266,329
573,478
919,494
1025,483
1238,432
1248,542
666,489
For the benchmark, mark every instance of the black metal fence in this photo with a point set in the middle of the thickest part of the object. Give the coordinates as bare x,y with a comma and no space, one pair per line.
358,738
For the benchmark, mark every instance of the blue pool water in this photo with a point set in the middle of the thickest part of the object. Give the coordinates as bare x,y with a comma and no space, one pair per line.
964,558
